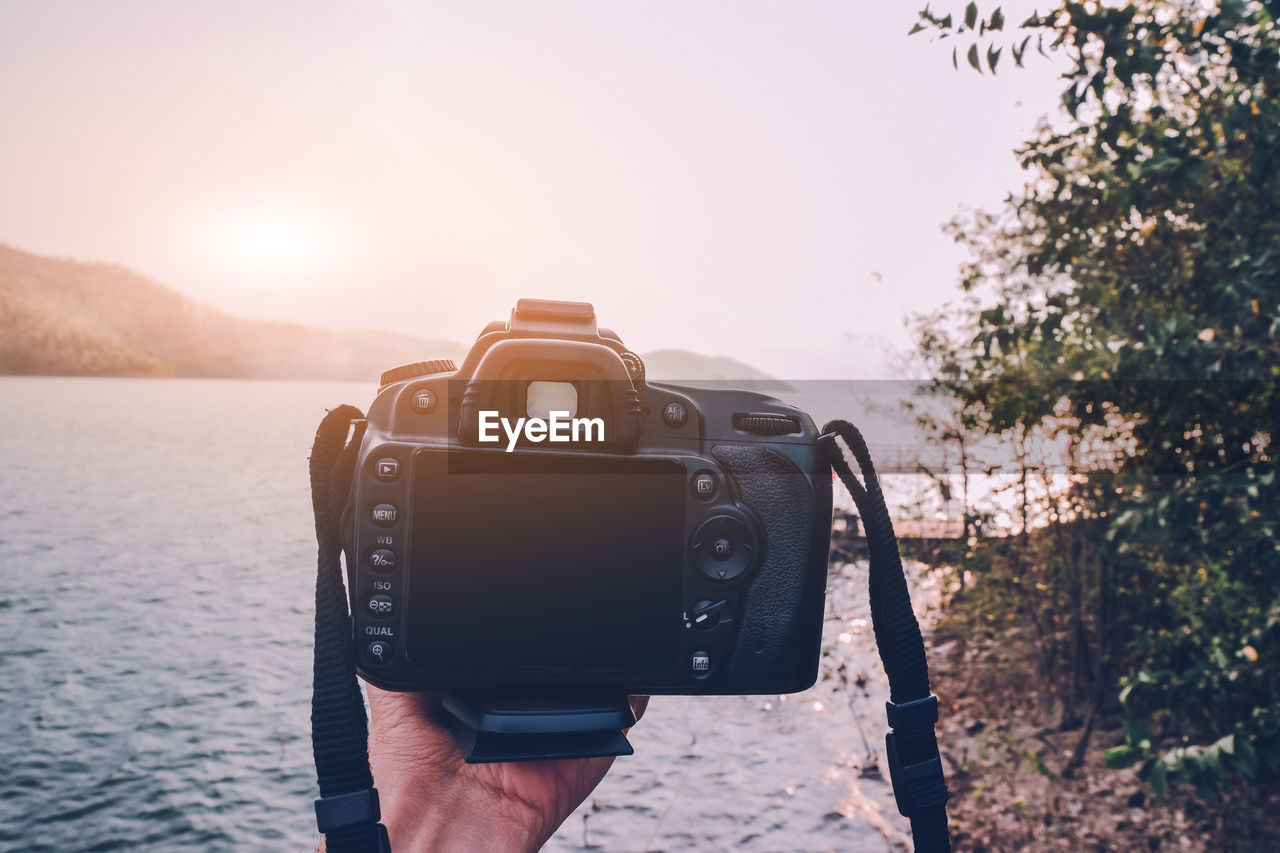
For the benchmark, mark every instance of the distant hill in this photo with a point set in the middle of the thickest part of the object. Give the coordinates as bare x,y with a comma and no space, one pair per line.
60,317
66,318
677,365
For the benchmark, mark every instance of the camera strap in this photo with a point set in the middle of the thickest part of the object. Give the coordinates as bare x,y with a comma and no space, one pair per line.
347,811
915,766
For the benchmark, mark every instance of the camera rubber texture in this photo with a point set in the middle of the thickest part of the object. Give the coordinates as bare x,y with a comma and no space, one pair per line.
779,495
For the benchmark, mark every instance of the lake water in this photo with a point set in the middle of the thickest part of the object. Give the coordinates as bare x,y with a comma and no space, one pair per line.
158,564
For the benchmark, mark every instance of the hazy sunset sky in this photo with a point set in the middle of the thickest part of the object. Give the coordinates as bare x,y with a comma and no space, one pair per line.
760,180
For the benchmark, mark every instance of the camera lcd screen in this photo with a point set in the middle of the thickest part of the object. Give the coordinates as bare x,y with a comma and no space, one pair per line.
528,562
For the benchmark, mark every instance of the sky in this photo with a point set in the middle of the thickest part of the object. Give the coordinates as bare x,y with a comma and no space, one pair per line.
760,180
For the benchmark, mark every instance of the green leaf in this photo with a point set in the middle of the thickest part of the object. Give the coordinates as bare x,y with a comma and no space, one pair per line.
1020,51
917,28
954,64
993,56
1208,775
970,15
1158,779
973,58
1138,735
1245,759
1119,757
1269,752
997,20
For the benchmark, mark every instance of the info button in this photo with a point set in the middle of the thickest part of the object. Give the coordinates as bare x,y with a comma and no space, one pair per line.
700,664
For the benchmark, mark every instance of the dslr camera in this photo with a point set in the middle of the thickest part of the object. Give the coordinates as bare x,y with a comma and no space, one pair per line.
544,521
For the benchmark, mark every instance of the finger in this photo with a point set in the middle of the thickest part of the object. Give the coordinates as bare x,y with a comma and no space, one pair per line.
392,708
638,705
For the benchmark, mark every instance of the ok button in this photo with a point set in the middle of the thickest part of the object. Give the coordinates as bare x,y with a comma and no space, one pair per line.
724,548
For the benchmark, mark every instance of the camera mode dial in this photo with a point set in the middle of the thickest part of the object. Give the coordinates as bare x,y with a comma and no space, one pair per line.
418,368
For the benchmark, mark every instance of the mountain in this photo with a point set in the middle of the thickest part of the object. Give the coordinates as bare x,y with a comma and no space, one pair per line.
66,318
691,368
60,317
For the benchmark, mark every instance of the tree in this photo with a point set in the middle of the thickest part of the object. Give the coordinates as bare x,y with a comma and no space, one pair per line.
1140,265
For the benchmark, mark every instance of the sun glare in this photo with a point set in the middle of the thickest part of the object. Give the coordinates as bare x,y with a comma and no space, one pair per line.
270,244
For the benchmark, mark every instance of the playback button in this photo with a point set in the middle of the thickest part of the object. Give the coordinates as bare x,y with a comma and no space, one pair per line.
387,469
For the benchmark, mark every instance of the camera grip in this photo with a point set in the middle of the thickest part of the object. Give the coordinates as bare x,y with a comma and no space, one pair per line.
781,496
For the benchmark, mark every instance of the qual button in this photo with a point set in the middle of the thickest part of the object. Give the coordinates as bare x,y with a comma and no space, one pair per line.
379,651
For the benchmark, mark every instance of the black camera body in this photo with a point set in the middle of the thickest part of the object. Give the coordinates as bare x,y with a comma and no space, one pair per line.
618,535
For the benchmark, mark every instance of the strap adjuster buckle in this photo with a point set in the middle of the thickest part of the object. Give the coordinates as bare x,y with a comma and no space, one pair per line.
916,770
348,809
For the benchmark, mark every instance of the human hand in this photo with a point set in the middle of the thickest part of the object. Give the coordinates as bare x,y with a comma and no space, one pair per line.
432,799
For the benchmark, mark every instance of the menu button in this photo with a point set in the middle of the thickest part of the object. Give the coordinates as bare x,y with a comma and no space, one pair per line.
384,515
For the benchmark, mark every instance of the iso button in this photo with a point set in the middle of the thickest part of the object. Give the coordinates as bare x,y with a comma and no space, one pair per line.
384,515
